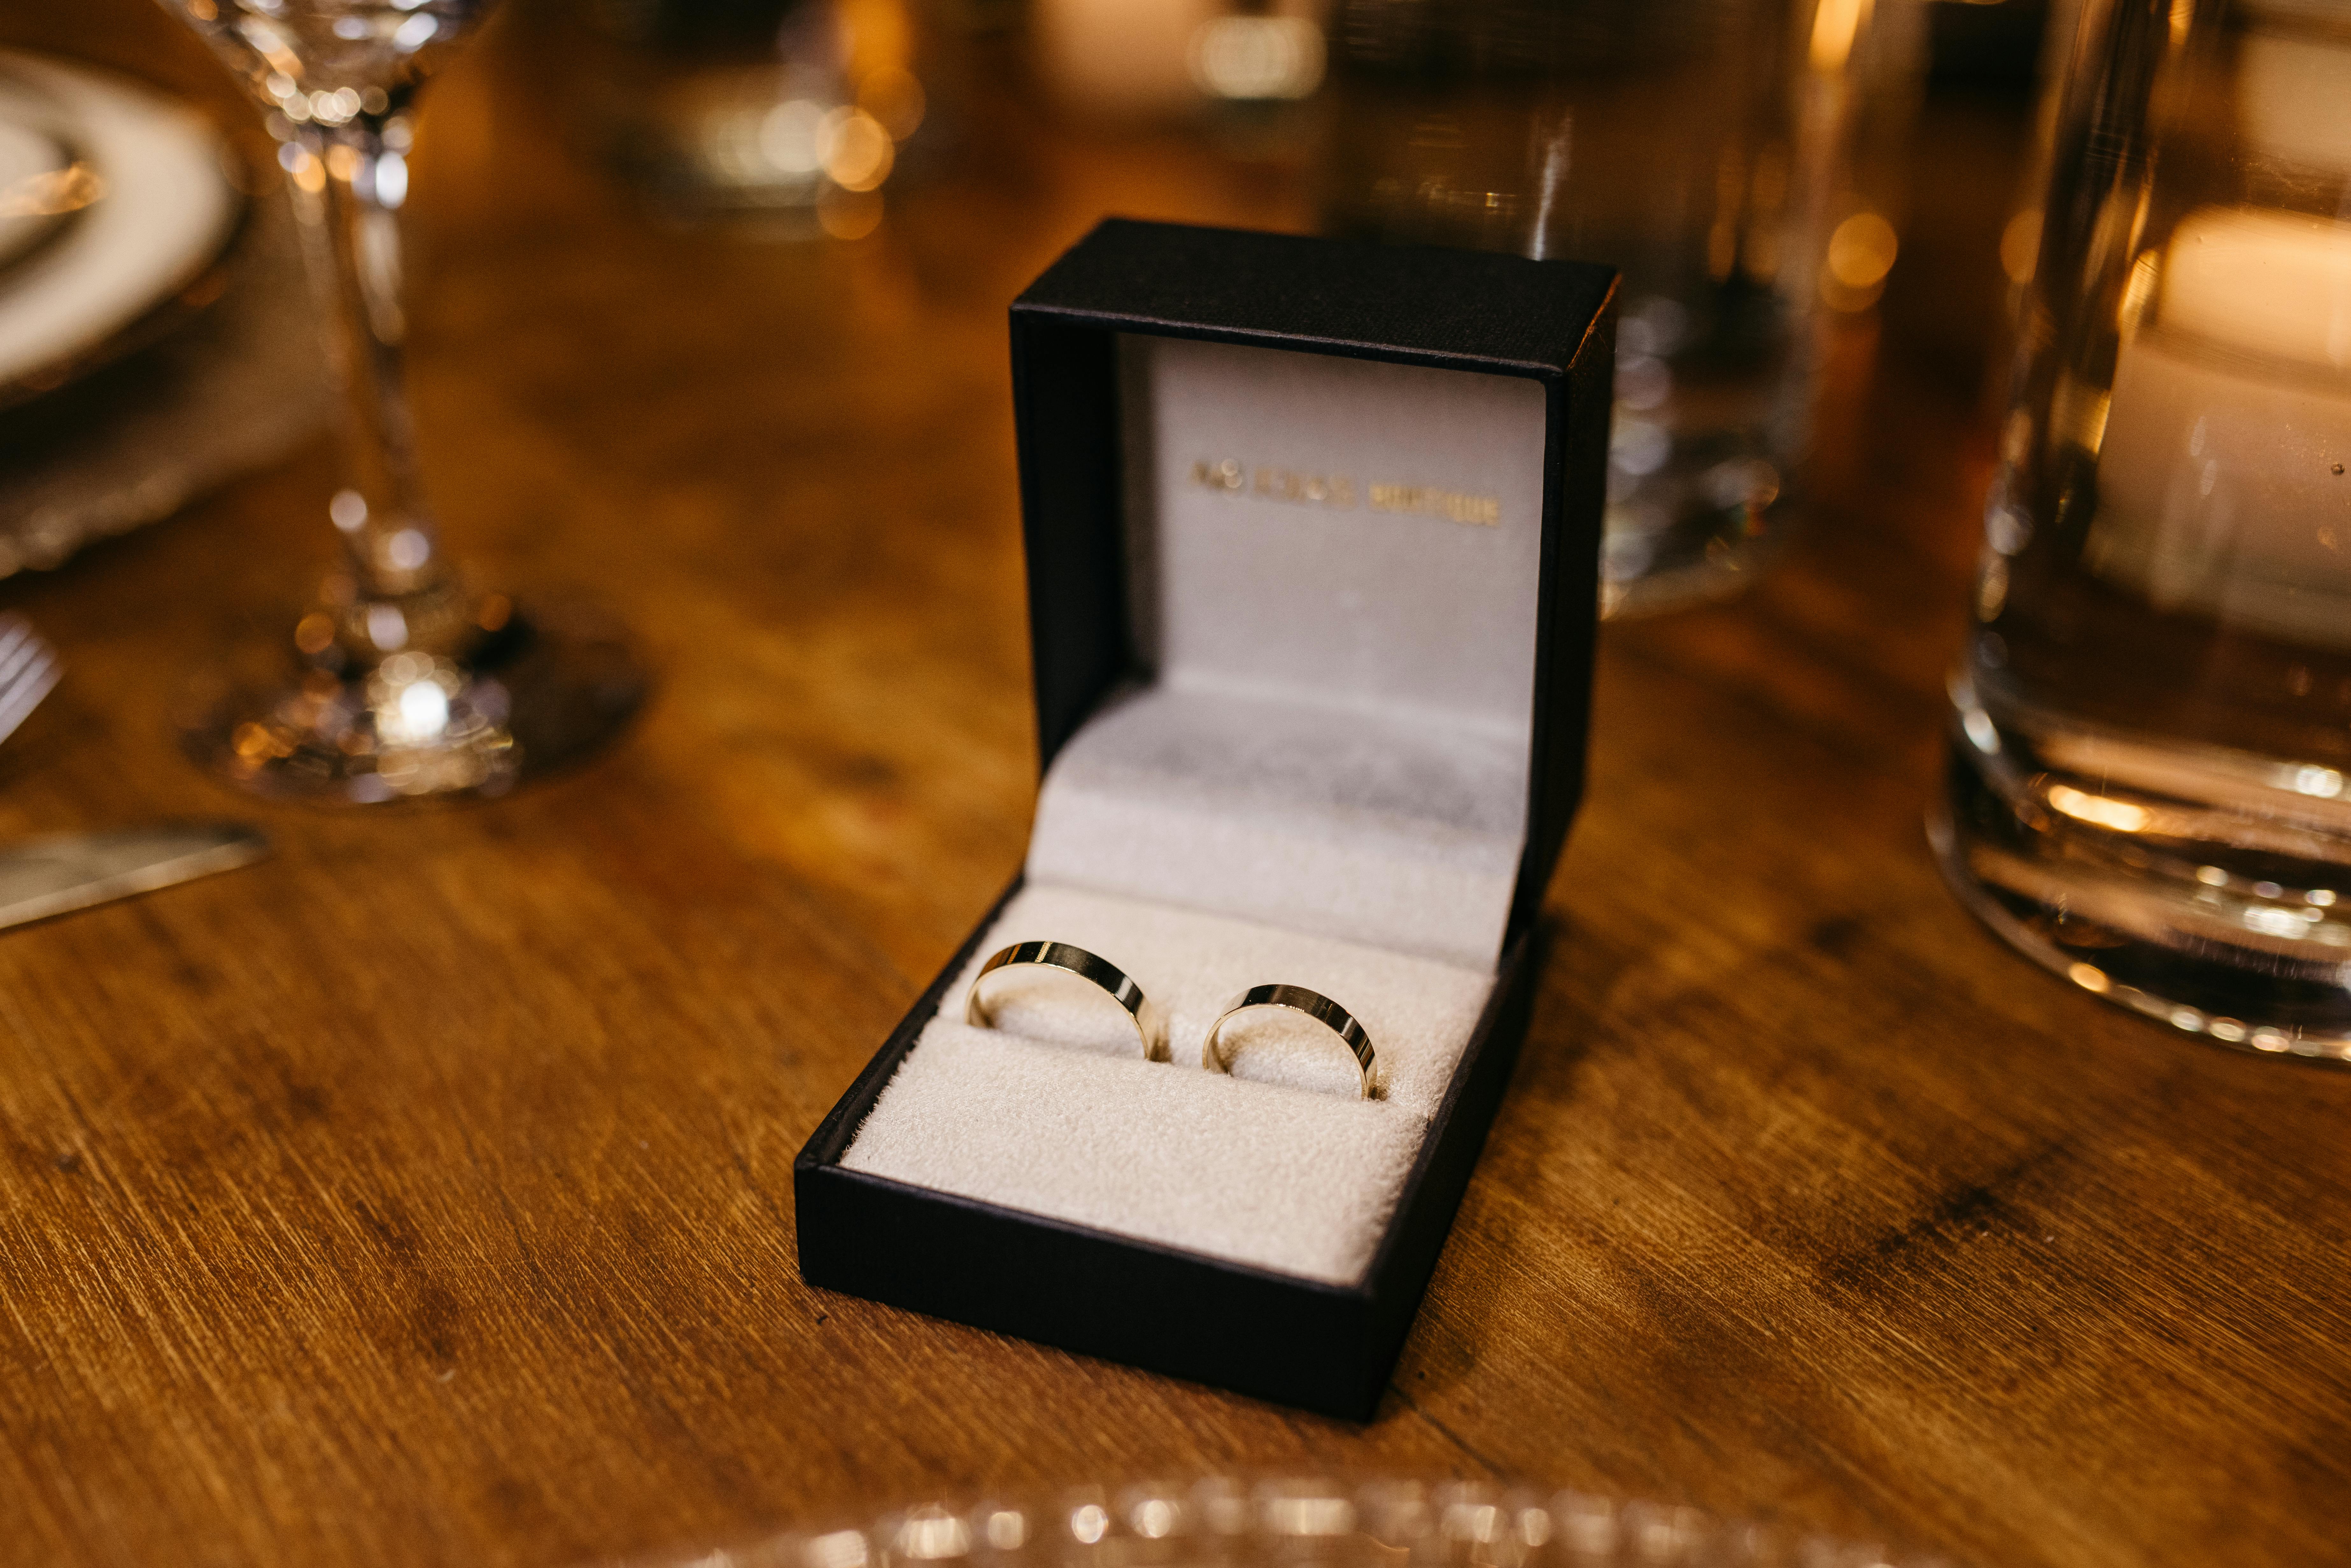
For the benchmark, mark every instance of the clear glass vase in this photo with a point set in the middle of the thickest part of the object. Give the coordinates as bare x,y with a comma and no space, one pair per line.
2150,790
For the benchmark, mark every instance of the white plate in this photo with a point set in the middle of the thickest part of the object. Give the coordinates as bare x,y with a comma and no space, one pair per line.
29,153
167,211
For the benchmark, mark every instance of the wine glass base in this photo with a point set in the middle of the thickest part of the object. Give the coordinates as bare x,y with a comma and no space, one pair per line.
549,686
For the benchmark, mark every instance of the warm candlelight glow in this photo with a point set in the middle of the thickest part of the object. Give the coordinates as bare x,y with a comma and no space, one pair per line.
2275,283
2294,98
2221,472
1835,27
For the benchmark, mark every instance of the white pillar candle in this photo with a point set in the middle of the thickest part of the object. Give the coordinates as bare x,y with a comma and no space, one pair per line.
2278,284
2294,93
2222,487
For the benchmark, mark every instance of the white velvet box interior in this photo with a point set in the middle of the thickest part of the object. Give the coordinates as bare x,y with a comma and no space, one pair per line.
1054,1111
1323,780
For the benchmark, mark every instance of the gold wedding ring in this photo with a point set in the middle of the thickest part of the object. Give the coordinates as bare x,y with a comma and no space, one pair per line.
1314,1004
1106,977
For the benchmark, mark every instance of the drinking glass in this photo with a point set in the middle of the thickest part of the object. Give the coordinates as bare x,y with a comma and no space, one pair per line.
1706,147
403,681
2149,788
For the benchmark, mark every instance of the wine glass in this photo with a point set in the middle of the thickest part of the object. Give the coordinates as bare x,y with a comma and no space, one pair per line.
403,682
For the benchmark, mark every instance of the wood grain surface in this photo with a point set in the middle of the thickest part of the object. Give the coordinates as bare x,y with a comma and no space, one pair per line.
422,1194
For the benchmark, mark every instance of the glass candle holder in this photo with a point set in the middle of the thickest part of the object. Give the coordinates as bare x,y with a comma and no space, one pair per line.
2150,790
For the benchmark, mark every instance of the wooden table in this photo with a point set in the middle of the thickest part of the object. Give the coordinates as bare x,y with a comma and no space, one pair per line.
423,1193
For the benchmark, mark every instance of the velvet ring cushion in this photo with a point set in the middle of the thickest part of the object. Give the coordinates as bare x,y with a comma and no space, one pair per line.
1149,1023
1216,1051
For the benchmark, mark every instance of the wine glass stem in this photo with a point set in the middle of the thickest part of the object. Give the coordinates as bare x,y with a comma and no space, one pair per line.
348,183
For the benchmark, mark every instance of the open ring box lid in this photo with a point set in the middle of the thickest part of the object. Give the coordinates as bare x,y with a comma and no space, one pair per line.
1312,534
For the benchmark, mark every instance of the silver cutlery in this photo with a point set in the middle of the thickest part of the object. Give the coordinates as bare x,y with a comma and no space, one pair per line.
28,668
46,876
42,877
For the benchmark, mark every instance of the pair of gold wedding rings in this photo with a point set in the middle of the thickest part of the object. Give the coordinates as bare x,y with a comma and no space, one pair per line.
1151,1021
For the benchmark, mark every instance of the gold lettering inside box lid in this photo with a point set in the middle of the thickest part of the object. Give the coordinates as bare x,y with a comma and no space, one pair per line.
1305,488
1427,501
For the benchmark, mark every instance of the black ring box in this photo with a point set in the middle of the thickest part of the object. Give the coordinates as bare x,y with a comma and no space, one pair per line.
1295,1341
